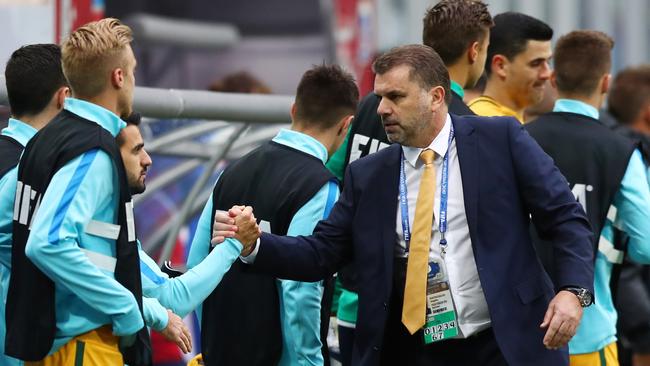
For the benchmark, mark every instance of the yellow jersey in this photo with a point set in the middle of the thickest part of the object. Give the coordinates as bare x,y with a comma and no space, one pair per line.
488,107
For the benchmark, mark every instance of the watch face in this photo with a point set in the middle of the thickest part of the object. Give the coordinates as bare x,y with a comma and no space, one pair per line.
584,296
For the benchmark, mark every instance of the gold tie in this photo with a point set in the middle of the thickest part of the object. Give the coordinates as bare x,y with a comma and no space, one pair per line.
415,292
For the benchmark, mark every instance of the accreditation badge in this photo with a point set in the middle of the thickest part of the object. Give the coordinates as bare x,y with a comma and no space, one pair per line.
441,319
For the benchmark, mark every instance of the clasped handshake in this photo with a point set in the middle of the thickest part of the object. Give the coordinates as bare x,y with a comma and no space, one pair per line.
239,223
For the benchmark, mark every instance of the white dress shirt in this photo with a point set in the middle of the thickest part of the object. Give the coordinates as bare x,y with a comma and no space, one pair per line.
471,306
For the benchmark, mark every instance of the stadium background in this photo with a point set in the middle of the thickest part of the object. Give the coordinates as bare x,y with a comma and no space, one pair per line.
188,45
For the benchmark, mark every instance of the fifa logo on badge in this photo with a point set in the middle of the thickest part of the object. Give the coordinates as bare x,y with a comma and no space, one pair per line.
435,272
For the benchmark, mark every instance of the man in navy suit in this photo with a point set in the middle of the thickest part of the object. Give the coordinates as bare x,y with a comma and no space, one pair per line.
492,179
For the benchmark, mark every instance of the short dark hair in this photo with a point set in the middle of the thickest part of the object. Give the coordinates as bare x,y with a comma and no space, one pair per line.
33,74
132,120
511,33
451,26
426,66
581,58
325,94
630,92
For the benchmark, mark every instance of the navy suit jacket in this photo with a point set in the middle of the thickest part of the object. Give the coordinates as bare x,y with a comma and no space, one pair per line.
507,180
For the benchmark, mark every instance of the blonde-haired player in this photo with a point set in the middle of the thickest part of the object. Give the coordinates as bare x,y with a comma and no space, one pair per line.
75,297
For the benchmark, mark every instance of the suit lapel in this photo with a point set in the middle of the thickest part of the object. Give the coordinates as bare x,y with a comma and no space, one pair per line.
388,190
467,148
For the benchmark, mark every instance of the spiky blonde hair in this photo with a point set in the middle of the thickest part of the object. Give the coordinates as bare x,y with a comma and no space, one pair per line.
92,52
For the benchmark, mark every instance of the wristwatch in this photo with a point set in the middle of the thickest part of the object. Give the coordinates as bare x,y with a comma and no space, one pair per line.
584,296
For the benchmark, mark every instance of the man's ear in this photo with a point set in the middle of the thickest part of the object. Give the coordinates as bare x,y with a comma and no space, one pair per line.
472,52
437,94
499,65
605,82
60,95
117,78
553,79
344,124
292,111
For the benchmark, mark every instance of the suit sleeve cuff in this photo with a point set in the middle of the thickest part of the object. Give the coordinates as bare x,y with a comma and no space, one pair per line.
250,259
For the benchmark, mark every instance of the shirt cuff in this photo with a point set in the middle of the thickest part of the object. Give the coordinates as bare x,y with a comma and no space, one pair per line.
250,259
155,315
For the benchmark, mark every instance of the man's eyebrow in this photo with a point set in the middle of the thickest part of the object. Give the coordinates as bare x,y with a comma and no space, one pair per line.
389,92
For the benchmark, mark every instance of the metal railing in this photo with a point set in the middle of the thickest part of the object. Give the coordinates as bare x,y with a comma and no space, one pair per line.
154,29
229,114
201,104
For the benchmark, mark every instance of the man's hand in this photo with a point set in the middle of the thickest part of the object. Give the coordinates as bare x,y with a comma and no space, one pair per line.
239,223
224,224
247,230
177,332
562,319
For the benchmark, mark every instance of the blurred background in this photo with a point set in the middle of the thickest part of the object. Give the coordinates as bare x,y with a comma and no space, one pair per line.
260,47
190,44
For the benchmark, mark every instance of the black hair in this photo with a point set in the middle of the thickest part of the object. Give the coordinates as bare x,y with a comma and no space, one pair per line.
325,94
511,33
33,74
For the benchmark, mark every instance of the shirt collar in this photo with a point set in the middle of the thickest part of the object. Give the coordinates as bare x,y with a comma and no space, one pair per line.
502,109
576,106
19,131
457,89
302,142
93,112
438,145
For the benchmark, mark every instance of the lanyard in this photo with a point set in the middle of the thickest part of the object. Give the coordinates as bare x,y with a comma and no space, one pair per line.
444,187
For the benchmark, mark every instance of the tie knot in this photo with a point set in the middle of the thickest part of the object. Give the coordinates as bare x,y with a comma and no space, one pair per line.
427,156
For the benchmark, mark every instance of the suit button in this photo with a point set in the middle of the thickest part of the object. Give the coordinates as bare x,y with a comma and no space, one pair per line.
375,348
385,306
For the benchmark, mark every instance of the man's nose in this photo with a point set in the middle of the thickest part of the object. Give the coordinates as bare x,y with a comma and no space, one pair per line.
383,109
545,73
146,159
